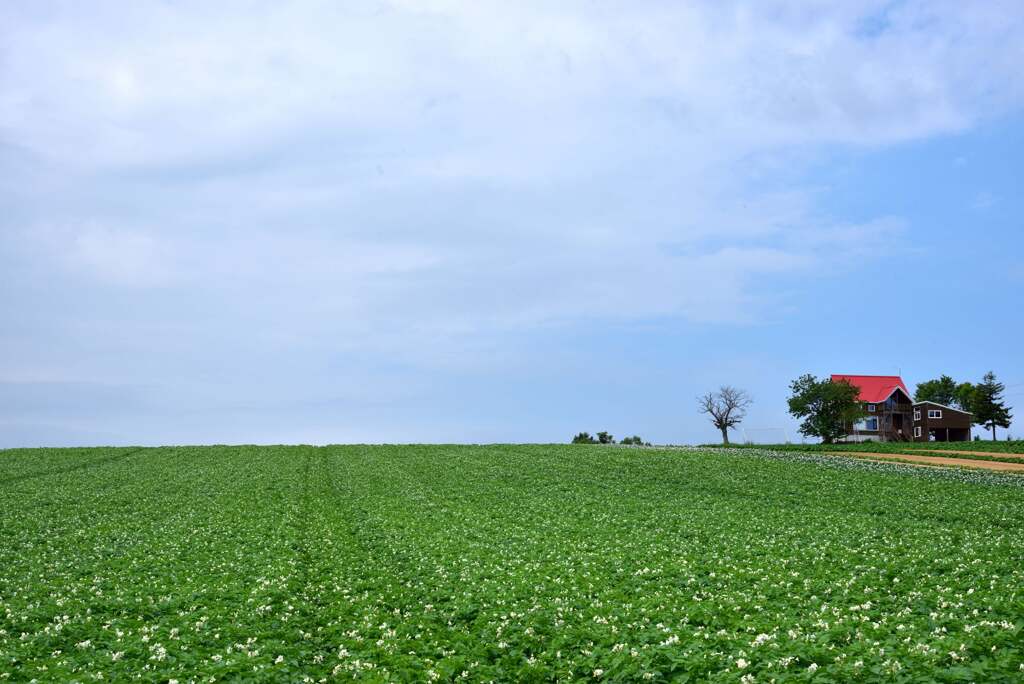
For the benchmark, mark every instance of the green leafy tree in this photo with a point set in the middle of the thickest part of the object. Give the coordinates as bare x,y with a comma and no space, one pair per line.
990,411
940,391
945,390
605,438
827,408
965,396
584,438
635,440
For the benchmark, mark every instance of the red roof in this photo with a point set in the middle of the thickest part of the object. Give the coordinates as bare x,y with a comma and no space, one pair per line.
874,389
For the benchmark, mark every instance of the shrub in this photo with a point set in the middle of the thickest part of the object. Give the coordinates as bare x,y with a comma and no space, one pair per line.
584,438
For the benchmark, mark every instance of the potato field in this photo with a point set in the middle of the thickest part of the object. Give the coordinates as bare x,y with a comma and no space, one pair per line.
504,563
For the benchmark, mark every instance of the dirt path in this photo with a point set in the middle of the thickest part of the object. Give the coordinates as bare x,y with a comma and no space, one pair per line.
965,453
933,460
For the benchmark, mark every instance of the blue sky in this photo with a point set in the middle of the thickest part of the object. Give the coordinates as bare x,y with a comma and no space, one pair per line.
477,222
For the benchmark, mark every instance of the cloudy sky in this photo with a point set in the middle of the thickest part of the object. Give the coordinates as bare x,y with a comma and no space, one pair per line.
474,222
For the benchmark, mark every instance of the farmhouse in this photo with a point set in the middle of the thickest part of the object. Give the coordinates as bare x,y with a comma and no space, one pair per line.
891,415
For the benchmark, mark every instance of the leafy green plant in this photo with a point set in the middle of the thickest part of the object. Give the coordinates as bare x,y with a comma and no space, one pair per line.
504,563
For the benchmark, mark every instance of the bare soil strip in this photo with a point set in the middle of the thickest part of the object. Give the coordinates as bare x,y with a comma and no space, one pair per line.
933,460
966,453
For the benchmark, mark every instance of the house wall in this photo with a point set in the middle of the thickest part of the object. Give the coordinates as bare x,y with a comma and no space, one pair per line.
958,423
900,417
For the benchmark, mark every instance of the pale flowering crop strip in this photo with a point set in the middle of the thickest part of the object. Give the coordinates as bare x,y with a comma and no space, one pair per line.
526,563
1006,451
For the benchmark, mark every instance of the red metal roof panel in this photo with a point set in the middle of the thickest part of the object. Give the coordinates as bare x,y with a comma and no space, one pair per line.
874,389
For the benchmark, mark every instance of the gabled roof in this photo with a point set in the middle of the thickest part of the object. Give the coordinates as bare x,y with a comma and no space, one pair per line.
874,389
950,408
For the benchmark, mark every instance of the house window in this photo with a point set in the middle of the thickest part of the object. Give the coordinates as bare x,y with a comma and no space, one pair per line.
934,413
871,408
871,424
917,431
917,414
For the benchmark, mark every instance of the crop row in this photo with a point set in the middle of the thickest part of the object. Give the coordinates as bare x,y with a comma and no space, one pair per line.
529,563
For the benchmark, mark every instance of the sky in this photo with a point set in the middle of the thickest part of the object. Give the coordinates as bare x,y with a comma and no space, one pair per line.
434,221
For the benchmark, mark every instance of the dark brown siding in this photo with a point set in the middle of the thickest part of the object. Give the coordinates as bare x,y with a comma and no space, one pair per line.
954,425
895,421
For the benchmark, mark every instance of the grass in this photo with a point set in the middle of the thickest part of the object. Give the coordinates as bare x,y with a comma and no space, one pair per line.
528,563
1006,451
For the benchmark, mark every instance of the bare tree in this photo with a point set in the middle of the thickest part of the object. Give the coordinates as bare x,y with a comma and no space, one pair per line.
726,408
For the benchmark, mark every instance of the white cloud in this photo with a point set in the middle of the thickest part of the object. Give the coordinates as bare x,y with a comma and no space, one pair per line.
188,83
395,176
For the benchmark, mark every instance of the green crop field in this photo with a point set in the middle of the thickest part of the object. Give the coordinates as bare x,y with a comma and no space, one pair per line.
504,563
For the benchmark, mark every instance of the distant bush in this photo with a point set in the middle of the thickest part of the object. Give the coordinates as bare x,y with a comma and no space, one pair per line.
584,438
607,438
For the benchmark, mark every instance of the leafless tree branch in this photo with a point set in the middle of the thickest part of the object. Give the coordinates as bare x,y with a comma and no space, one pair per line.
726,408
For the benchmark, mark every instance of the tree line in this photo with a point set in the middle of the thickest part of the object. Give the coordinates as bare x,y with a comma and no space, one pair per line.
828,408
607,438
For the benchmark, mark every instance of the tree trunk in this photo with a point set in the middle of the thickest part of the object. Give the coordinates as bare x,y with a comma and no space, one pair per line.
725,436
993,432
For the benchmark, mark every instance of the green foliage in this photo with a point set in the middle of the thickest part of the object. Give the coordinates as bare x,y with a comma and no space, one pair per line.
607,438
944,390
827,408
503,563
965,397
990,411
941,391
